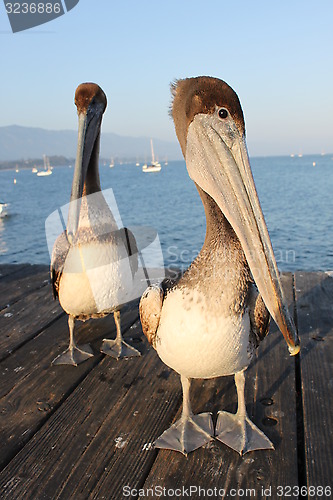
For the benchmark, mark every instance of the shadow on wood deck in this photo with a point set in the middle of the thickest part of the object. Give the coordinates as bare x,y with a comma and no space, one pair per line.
86,432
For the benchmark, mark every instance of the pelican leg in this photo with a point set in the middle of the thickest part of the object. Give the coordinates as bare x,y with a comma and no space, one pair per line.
73,355
190,431
238,431
118,348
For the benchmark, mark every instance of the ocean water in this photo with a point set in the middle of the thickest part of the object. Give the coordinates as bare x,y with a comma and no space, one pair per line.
296,198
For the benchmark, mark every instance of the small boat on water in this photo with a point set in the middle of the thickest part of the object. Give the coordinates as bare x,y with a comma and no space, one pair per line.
151,168
47,168
154,166
34,170
111,163
3,209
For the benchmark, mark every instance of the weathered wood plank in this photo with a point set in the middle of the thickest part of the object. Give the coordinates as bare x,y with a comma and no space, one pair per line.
26,318
7,269
16,285
121,453
270,379
314,292
96,439
83,438
31,388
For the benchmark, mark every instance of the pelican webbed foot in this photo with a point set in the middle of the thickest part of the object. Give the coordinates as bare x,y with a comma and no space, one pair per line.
118,348
240,433
236,430
190,431
187,434
74,355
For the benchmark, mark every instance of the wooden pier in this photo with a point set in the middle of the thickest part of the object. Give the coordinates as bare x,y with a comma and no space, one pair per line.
87,431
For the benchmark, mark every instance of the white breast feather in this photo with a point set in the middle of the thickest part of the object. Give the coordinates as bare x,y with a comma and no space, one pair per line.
96,278
197,343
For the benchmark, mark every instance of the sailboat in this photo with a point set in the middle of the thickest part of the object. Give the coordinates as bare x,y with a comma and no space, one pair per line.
111,163
154,166
47,169
3,209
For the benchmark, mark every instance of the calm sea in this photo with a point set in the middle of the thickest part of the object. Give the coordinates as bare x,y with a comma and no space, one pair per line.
296,197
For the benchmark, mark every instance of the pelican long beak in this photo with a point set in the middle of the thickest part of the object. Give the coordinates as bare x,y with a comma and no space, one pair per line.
89,129
217,160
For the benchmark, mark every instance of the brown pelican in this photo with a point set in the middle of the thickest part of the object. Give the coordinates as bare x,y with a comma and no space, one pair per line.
209,323
93,262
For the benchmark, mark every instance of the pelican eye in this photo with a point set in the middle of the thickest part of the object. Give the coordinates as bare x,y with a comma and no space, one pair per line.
223,113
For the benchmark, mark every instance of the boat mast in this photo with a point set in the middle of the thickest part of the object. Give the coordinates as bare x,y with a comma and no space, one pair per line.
46,162
152,151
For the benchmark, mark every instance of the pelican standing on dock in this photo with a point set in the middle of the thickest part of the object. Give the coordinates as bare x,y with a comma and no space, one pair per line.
93,262
210,322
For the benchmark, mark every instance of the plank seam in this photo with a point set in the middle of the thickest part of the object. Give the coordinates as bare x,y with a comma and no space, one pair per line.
14,271
97,431
4,356
49,415
301,460
24,294
156,451
56,407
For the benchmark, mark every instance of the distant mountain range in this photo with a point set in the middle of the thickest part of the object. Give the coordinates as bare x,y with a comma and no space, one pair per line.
22,143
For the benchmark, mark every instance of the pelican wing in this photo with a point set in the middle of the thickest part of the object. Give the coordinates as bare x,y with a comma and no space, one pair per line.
151,304
259,315
59,254
150,311
132,248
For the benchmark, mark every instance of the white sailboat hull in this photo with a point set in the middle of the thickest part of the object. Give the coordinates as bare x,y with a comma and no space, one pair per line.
154,166
151,168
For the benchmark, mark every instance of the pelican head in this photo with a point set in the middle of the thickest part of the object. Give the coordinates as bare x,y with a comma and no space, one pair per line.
210,128
91,102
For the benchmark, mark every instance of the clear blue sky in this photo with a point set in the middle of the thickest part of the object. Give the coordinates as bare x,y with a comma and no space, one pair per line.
276,55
